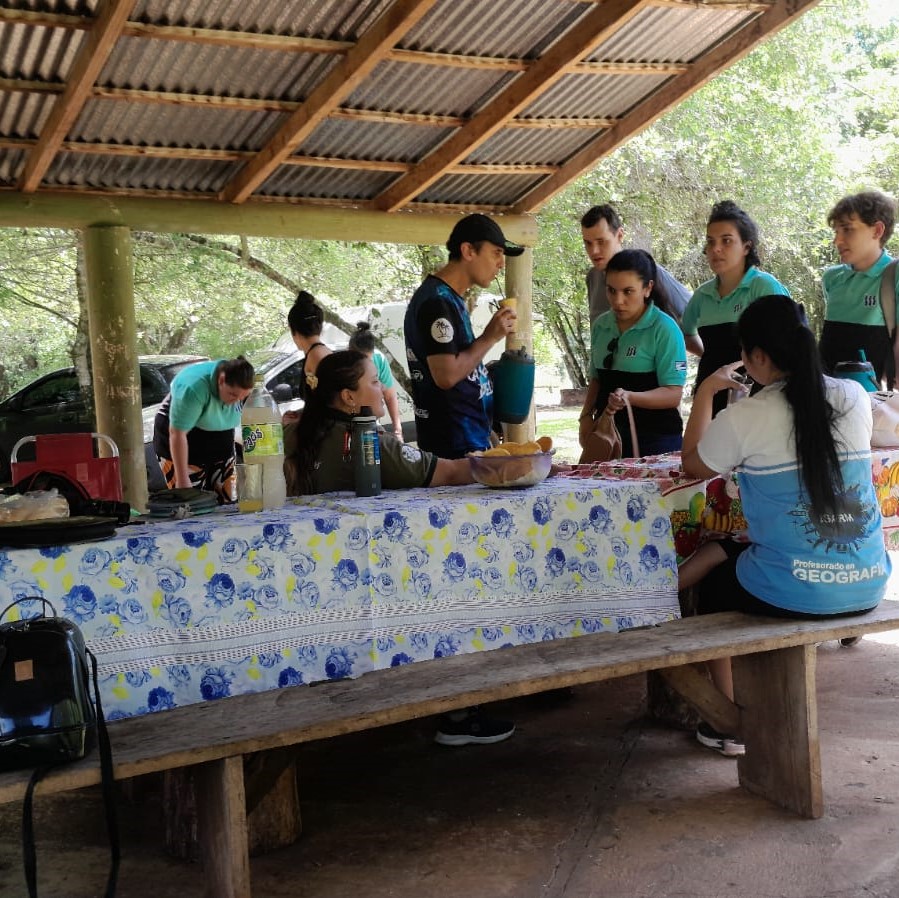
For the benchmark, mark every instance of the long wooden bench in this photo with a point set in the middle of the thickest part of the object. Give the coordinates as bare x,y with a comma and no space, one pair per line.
775,713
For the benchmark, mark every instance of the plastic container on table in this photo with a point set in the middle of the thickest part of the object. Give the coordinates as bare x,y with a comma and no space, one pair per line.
263,443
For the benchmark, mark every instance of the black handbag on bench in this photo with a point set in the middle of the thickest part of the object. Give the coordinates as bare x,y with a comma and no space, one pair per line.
47,716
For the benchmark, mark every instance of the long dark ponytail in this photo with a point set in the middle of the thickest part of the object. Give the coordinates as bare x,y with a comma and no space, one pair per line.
335,372
776,325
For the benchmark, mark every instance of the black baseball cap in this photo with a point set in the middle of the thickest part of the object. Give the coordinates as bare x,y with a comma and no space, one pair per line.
477,227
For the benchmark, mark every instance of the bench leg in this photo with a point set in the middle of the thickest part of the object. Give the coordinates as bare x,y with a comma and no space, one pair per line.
222,828
776,694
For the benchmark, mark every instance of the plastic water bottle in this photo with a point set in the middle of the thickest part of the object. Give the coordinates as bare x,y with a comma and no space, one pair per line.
365,446
263,443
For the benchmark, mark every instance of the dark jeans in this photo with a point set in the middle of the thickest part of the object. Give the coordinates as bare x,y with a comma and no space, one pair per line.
720,590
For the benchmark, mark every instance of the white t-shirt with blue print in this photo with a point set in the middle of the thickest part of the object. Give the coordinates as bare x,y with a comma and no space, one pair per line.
796,561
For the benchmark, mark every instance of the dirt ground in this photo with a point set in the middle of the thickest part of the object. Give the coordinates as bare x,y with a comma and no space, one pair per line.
589,799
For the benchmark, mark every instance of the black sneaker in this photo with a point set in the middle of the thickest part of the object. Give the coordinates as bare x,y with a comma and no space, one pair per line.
473,728
724,745
849,641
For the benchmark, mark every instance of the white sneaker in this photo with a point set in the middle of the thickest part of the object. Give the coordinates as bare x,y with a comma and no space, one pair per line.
724,745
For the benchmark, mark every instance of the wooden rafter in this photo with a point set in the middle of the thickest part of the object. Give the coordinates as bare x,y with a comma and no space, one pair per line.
253,104
594,28
292,44
342,80
90,60
779,14
210,155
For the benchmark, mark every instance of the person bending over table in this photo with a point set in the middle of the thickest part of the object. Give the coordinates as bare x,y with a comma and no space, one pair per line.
801,450
321,463
193,434
638,355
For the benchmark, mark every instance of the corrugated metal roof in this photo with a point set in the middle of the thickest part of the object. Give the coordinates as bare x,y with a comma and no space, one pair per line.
373,140
326,183
423,89
678,35
243,97
538,146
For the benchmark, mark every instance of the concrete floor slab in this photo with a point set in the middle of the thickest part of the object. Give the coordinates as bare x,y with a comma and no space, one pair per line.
589,799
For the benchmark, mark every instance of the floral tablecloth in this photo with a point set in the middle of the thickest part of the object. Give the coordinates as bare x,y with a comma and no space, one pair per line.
463,569
334,586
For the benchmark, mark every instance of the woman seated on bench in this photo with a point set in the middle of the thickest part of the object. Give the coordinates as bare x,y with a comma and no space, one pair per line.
321,463
801,448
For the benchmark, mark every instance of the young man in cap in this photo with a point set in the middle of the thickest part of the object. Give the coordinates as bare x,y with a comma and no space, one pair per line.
603,234
450,387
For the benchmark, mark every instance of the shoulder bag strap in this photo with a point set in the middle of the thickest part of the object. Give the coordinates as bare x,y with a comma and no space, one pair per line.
888,297
108,780
635,445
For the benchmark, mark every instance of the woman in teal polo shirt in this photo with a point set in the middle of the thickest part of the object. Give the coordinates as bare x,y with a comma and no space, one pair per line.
194,430
731,249
638,356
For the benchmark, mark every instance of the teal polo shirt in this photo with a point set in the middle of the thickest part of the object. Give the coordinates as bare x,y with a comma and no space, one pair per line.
706,308
853,296
196,403
654,343
385,375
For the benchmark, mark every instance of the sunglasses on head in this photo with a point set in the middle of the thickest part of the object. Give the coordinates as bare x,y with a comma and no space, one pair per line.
612,348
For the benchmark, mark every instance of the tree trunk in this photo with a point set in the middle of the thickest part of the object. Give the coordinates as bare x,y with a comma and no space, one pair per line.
81,344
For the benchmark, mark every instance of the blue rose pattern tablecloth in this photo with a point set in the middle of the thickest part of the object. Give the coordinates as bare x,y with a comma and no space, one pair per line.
334,586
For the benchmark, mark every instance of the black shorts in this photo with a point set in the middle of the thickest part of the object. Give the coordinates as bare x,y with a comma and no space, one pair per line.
720,590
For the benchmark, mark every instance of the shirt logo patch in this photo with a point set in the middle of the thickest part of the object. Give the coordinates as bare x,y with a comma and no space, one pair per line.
442,331
631,352
410,453
680,365
870,301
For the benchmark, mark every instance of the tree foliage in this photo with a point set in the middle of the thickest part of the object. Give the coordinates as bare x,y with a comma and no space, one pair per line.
804,119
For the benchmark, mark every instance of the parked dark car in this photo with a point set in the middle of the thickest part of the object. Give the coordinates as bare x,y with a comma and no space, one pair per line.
54,403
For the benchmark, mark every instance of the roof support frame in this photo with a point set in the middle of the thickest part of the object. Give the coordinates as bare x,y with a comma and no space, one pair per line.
341,81
598,25
91,57
780,14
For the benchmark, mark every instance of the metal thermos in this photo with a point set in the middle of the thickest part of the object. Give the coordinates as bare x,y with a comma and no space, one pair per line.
513,385
365,447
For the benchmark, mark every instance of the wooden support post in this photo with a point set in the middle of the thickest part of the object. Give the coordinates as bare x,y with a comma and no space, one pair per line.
776,694
222,828
519,276
113,336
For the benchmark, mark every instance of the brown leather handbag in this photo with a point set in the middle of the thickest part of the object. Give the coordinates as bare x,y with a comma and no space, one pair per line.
604,441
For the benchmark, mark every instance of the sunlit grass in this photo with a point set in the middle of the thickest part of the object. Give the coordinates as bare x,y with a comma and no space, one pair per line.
561,425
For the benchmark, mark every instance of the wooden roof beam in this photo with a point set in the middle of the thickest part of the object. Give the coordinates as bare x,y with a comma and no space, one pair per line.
581,38
195,154
341,81
726,53
379,116
90,60
299,44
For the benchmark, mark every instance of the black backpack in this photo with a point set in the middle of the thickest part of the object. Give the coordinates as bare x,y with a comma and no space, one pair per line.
47,716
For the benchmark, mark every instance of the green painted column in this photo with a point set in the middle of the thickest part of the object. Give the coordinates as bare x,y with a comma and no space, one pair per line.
519,283
113,336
